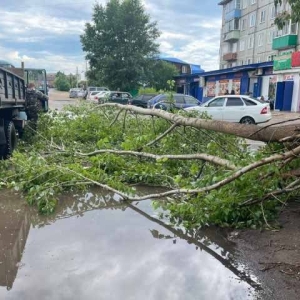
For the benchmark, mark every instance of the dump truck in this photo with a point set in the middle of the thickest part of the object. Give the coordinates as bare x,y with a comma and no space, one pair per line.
13,116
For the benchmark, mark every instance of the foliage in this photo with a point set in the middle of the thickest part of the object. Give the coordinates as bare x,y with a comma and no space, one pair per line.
72,80
62,83
148,91
159,72
287,14
50,163
119,43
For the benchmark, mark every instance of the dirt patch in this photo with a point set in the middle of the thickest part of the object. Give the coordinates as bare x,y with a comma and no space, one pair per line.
274,255
55,95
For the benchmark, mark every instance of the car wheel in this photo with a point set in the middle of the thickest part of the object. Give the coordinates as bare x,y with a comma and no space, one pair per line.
247,120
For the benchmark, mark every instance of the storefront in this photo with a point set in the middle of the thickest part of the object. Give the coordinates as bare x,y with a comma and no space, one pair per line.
189,85
254,79
287,70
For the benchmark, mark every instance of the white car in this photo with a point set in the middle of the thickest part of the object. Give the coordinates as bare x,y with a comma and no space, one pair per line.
92,95
98,95
235,108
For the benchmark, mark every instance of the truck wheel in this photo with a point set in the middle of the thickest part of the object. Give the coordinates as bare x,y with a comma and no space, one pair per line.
11,140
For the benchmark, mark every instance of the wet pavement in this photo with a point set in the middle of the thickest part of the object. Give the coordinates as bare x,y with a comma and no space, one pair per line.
94,247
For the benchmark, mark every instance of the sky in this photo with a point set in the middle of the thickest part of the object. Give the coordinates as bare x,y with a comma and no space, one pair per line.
46,34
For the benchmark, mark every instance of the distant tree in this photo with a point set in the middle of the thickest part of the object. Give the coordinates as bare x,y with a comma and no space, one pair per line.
287,14
62,82
119,42
159,73
72,80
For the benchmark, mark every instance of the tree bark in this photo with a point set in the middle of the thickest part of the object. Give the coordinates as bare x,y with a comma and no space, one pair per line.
252,132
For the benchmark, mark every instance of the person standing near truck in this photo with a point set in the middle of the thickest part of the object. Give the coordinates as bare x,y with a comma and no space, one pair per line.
35,101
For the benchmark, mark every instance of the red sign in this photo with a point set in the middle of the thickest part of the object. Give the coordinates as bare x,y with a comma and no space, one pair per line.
296,59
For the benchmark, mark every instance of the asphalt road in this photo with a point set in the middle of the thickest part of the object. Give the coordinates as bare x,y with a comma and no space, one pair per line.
57,99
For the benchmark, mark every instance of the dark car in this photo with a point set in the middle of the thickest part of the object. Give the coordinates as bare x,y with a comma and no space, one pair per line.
141,100
163,101
115,97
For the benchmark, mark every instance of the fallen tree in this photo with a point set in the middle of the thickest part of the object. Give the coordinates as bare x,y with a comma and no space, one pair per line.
208,172
267,133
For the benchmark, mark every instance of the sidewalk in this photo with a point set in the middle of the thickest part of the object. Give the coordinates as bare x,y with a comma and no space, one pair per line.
280,116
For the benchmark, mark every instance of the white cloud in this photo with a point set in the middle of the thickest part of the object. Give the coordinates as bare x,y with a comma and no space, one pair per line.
46,34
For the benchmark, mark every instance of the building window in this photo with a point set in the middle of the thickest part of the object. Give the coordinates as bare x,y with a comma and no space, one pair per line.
251,42
270,57
262,16
184,69
290,28
242,45
249,61
241,62
253,1
258,60
244,4
243,24
271,36
260,39
273,12
252,19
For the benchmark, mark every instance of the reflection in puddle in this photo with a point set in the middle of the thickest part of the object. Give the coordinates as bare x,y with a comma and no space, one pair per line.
95,247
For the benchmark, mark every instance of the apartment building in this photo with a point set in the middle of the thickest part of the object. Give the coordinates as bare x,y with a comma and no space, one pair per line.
248,32
250,37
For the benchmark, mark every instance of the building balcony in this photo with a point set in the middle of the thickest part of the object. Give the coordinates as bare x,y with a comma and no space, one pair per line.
284,42
234,14
230,56
232,36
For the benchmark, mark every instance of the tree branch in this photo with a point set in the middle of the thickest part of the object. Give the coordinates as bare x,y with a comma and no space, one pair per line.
265,134
234,176
206,157
162,135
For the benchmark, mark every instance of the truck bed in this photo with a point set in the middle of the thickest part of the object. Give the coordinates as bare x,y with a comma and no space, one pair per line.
12,89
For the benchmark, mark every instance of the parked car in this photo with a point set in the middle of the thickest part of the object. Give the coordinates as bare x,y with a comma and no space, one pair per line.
81,93
236,108
73,93
99,95
115,97
93,95
141,100
180,101
91,89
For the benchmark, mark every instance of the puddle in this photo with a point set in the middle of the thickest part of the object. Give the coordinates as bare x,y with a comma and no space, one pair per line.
93,247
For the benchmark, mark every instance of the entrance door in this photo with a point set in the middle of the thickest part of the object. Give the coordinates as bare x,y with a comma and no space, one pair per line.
279,95
284,95
288,95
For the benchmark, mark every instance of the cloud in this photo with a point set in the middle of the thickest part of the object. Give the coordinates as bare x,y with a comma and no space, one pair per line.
47,33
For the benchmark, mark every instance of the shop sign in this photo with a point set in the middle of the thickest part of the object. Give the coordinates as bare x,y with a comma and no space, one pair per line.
283,62
296,59
288,77
182,81
196,79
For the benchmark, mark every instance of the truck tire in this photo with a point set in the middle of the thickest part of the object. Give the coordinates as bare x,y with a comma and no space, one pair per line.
11,140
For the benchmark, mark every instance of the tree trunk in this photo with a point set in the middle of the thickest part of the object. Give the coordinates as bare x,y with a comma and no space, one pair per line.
265,133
